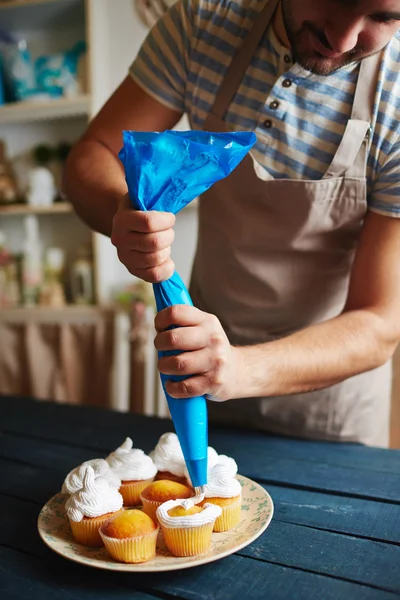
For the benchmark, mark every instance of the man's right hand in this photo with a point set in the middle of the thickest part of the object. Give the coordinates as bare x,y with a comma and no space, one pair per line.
143,241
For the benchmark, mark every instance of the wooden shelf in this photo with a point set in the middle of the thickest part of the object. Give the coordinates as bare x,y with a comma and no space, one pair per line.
24,209
17,15
59,108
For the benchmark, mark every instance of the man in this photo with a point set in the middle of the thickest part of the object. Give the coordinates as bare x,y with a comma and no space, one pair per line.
296,277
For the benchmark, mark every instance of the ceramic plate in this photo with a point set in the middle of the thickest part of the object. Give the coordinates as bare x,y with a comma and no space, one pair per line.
257,510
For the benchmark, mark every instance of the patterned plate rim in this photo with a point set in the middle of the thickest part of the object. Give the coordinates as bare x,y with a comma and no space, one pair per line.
146,567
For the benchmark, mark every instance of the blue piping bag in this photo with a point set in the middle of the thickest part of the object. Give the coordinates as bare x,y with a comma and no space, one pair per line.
165,171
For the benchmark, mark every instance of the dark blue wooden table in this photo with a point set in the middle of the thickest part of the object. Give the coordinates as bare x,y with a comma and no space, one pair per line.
335,532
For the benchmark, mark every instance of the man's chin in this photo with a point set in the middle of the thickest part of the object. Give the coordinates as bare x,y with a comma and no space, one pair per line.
320,65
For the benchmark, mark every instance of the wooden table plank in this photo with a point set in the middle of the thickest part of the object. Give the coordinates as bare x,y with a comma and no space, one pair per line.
339,556
23,577
243,577
342,556
229,437
253,462
364,518
367,518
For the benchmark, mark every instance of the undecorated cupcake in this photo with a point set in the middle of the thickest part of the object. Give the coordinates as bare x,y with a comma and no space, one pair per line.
225,491
130,537
135,469
187,528
169,459
90,507
161,491
74,480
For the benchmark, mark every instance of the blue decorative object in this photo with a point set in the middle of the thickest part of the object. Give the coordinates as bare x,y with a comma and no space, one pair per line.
166,171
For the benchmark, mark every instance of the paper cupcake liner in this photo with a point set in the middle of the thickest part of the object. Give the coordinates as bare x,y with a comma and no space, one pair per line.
131,491
131,550
150,507
86,532
230,517
188,541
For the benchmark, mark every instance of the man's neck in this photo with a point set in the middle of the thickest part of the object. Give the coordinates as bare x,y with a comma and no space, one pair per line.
278,24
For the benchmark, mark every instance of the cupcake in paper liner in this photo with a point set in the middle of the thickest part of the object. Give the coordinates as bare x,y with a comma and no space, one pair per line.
130,537
225,491
90,507
74,480
135,469
161,491
186,527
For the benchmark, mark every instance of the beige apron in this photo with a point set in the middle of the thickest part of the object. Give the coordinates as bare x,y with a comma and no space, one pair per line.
275,256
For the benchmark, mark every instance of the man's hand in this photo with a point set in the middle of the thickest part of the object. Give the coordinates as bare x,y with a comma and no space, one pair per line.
211,364
143,241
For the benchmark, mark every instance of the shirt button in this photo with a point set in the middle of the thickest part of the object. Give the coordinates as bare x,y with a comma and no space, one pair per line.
287,59
274,104
286,83
268,124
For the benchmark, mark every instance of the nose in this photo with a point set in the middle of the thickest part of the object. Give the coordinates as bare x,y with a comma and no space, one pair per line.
342,37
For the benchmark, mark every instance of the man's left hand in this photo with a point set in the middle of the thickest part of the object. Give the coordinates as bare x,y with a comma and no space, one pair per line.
212,366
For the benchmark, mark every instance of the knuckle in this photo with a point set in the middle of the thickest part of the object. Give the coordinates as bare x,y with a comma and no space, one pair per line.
217,340
179,364
188,387
173,338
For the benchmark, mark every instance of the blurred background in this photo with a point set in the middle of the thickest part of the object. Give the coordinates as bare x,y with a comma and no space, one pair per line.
74,324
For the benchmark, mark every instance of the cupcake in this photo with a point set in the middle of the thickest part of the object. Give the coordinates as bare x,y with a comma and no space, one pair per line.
225,491
212,459
130,537
74,480
90,507
161,491
168,457
187,528
135,469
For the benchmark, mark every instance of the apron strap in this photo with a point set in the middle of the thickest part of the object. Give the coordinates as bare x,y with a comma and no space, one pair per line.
242,59
352,153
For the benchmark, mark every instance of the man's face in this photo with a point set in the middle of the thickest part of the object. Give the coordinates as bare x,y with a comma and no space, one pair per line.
327,34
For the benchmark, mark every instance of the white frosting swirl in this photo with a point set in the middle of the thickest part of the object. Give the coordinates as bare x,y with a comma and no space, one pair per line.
168,455
96,498
213,459
131,464
209,514
221,483
74,480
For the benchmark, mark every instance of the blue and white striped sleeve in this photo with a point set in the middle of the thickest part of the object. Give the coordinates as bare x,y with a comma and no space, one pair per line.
162,64
385,197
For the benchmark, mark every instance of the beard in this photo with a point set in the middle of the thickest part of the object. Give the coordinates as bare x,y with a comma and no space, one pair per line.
308,57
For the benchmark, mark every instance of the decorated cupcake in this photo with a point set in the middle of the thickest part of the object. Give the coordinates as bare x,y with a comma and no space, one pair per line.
168,457
130,536
135,469
187,528
74,480
161,491
90,507
225,491
212,459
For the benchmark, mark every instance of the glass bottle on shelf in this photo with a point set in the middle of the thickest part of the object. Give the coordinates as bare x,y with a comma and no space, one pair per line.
82,277
52,290
32,268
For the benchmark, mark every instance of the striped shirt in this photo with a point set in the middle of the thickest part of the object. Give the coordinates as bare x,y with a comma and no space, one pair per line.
184,59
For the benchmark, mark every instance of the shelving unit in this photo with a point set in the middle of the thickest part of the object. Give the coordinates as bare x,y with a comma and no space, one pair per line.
24,209
59,108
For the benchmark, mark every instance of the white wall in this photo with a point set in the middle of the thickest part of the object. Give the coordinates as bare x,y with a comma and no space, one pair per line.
125,34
